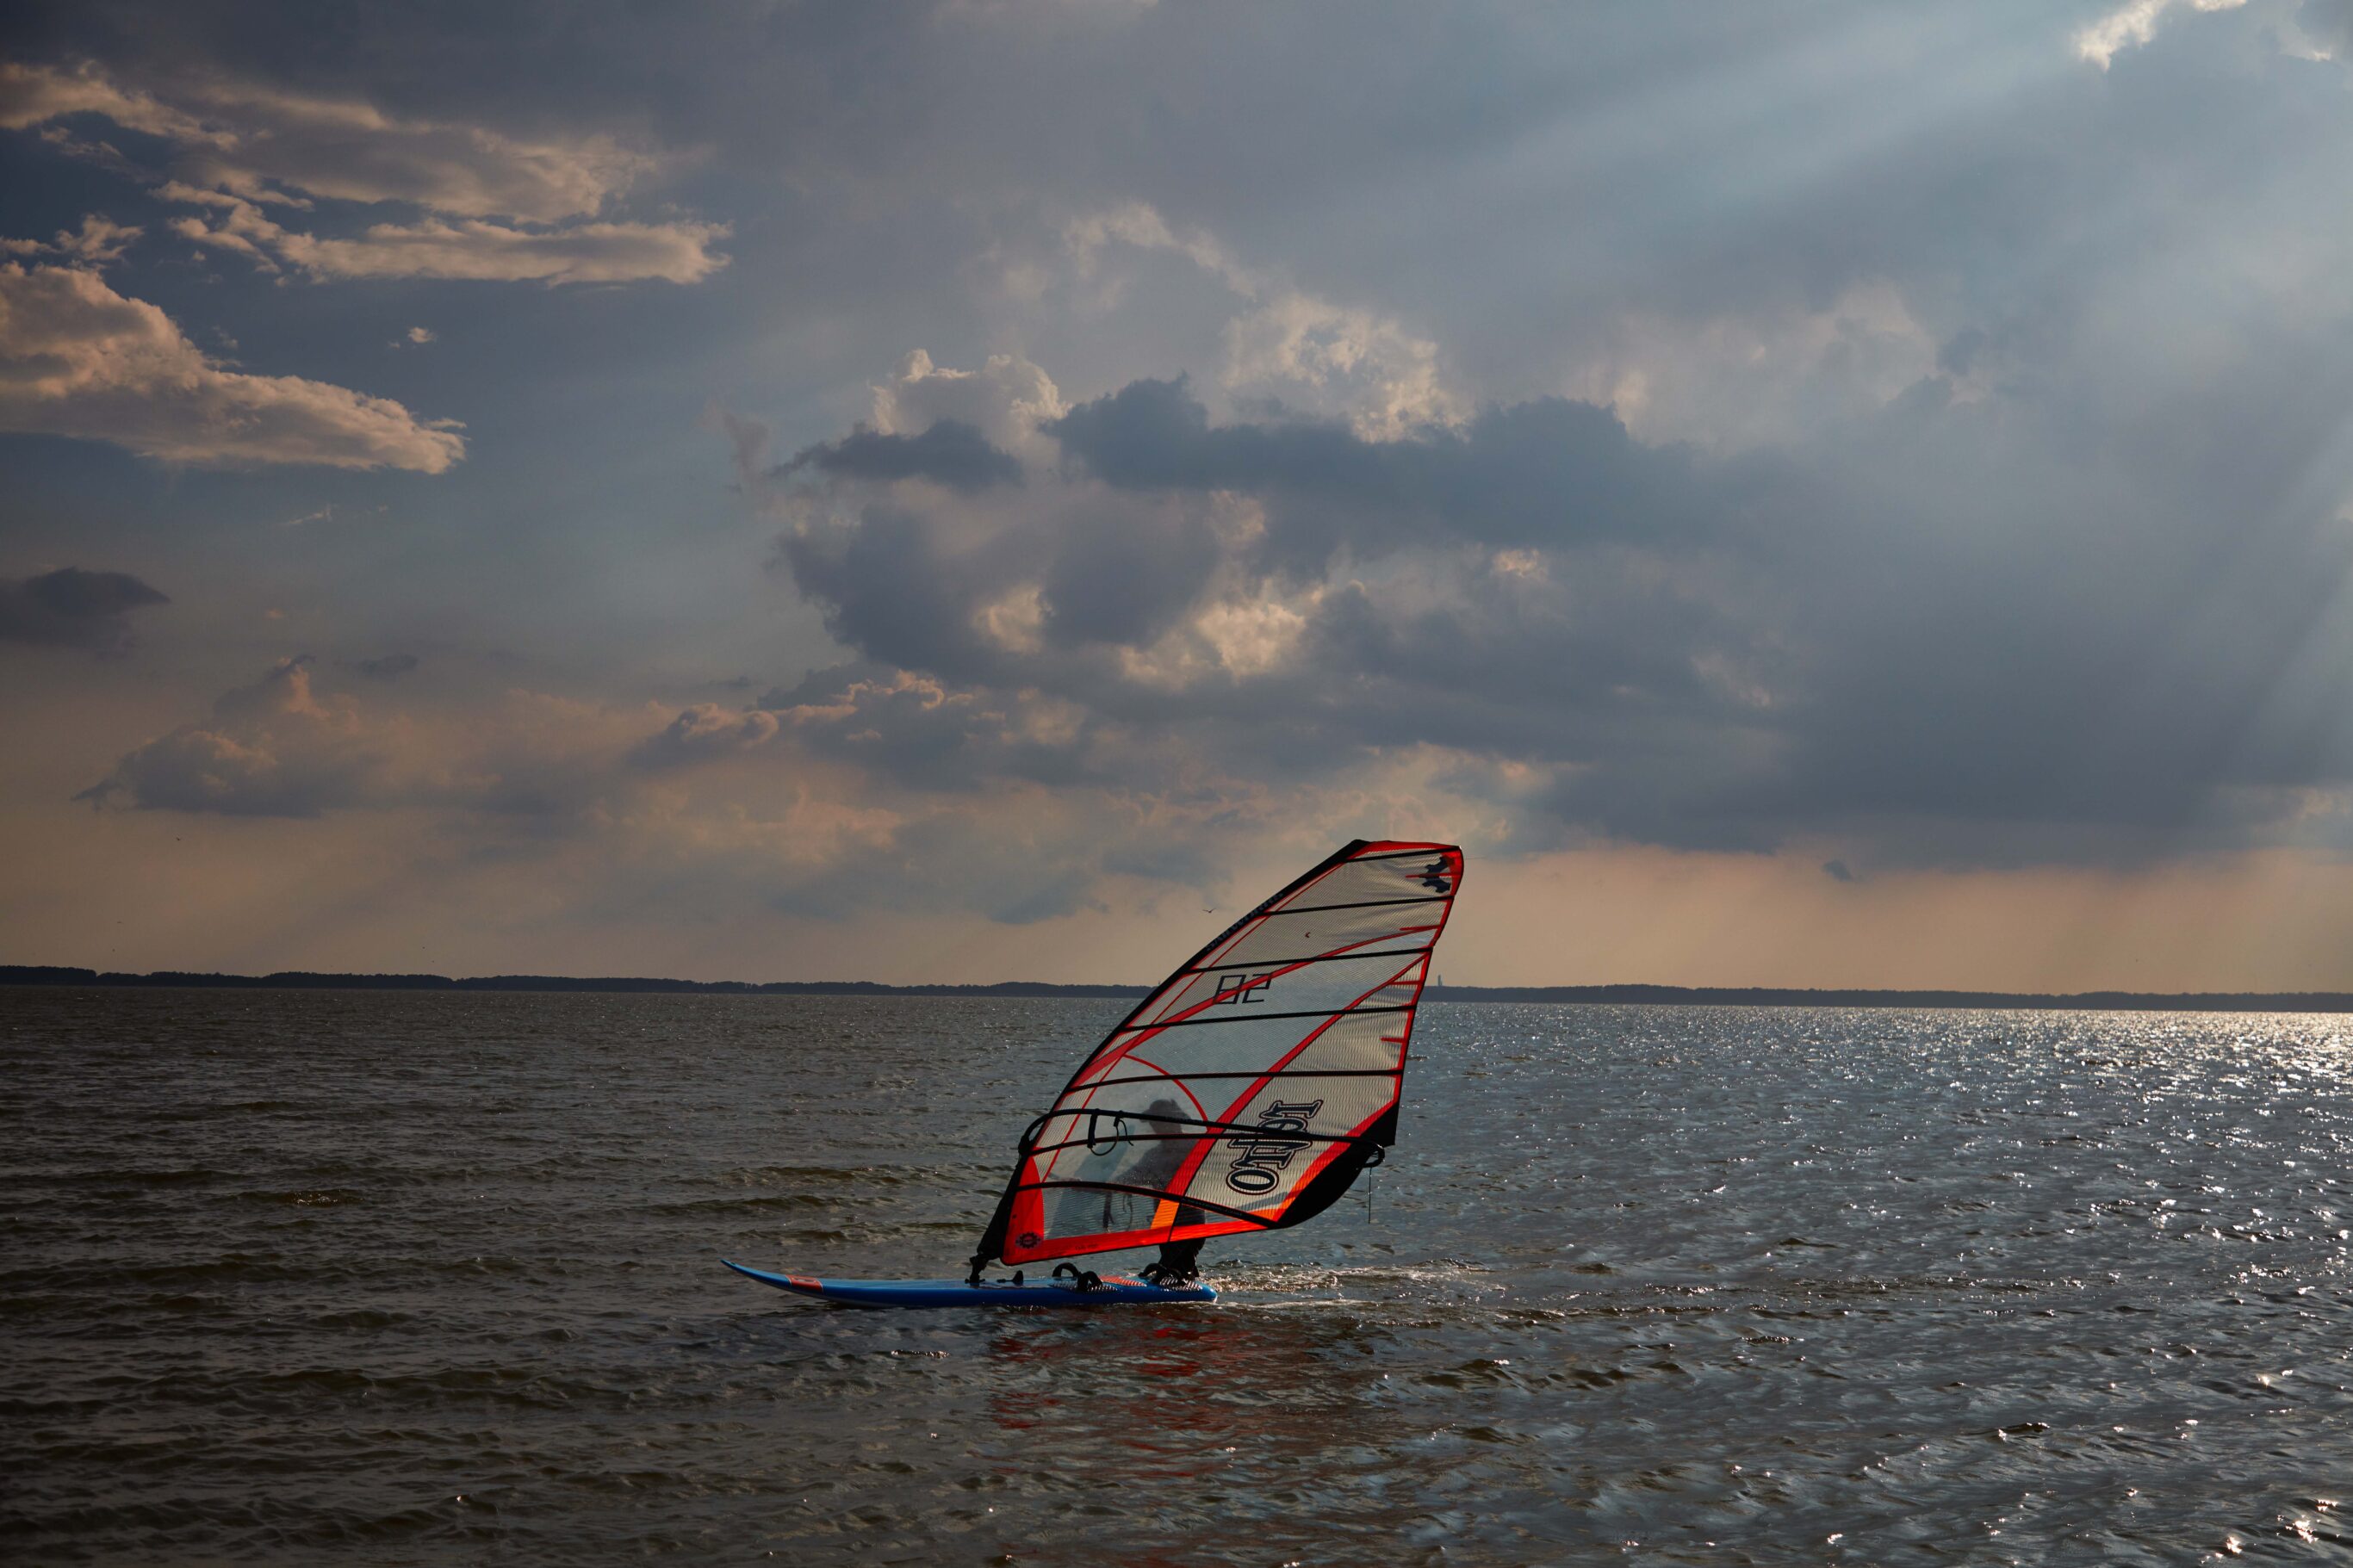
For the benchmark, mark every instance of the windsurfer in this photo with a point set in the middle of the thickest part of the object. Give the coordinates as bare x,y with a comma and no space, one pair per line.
1310,997
1146,1151
1179,1260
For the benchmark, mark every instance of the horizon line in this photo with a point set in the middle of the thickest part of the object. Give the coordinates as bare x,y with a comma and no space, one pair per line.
1619,994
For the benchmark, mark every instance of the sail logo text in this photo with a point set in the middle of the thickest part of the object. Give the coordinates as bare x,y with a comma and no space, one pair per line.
1282,1132
1241,988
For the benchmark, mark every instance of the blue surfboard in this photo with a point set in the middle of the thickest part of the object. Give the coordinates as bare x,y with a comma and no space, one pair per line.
1115,1289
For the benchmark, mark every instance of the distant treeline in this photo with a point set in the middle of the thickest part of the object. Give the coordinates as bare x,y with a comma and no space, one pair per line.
304,980
1681,995
1783,997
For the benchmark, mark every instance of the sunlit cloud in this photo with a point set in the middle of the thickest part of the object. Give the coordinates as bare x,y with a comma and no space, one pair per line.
98,241
78,359
2133,24
473,248
501,209
1286,343
263,142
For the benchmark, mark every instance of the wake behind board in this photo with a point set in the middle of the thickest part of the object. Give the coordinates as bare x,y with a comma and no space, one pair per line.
1113,1290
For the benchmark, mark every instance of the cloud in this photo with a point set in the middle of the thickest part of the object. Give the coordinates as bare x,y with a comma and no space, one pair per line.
1280,600
893,587
281,746
703,731
481,250
284,745
78,359
271,749
2133,24
912,730
73,608
328,513
472,249
498,207
98,241
1007,400
1768,377
259,142
1125,575
626,809
1591,636
33,94
949,452
1352,365
2328,26
1139,224
1539,471
1311,354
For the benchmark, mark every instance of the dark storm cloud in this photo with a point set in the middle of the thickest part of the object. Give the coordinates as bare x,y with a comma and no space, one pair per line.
389,666
950,453
1593,669
1943,637
893,590
1548,471
1123,577
73,608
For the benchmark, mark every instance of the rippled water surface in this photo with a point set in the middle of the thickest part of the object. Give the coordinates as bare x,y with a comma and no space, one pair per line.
432,1278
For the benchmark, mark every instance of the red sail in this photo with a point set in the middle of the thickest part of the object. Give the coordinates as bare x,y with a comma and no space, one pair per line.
1249,1090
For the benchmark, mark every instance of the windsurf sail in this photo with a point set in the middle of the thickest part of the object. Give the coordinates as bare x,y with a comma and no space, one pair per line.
1248,1092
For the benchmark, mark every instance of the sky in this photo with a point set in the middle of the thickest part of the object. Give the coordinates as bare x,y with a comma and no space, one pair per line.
1807,494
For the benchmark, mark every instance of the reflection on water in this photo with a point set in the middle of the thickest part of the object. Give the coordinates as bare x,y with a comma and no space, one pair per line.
431,1278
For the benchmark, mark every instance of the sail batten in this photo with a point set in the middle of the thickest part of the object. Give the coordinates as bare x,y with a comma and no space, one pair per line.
1254,1018
1370,904
1340,956
1303,1072
1172,1129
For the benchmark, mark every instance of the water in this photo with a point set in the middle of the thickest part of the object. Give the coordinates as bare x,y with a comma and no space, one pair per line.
431,1278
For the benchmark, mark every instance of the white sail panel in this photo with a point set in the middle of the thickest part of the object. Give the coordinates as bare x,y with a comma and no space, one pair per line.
1250,1088
1310,933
